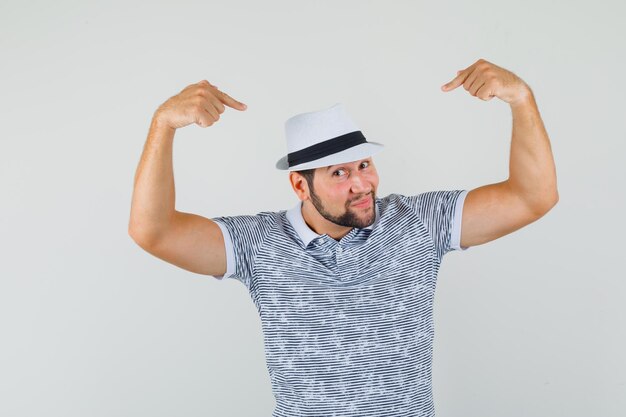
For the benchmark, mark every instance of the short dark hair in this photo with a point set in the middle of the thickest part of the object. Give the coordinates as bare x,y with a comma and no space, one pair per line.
308,175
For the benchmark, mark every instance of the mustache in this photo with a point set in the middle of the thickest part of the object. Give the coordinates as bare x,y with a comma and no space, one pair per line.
362,197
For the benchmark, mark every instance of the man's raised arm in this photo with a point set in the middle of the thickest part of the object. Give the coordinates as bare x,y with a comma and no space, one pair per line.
187,240
495,210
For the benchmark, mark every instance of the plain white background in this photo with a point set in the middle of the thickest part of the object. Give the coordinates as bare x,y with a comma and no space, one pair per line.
531,324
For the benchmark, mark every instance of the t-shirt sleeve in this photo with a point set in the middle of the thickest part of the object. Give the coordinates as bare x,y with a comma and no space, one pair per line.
441,212
243,238
455,242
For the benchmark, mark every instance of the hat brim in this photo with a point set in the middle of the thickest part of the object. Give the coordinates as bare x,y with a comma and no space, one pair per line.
348,155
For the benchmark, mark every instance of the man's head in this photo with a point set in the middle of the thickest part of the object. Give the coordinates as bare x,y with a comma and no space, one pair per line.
334,189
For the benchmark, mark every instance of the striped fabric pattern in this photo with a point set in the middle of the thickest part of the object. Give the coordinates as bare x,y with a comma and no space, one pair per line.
348,325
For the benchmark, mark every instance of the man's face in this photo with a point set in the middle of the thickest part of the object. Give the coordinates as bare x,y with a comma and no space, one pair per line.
336,188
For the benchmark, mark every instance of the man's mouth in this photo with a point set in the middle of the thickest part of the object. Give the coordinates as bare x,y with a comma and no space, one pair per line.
364,202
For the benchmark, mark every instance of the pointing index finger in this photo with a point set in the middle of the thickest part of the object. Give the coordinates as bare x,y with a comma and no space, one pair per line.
231,102
457,81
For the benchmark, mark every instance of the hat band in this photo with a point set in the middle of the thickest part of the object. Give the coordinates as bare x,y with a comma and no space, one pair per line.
325,148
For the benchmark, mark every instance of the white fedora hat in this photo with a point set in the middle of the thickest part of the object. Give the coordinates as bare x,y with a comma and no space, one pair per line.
322,138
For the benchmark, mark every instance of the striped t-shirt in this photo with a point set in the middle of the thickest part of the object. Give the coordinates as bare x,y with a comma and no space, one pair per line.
348,325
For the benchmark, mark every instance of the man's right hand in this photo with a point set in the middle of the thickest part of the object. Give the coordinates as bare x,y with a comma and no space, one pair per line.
200,103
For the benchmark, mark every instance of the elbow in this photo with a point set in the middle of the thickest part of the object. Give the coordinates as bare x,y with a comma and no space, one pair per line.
145,235
135,236
547,204
132,231
140,237
554,199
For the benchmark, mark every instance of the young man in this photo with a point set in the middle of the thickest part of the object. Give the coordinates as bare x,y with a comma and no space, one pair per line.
343,281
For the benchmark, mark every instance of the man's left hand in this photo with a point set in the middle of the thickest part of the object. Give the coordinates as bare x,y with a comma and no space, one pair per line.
486,80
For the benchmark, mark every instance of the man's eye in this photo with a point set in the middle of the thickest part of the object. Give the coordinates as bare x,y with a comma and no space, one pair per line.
366,163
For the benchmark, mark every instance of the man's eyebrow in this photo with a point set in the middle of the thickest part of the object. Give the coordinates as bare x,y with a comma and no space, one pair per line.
339,166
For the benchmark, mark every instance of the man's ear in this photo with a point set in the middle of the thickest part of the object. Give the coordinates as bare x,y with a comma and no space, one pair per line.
298,183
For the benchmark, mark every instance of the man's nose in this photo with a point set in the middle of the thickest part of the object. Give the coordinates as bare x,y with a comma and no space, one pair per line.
359,185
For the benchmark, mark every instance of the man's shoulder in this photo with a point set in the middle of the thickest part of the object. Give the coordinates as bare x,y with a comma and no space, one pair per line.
394,201
426,198
262,220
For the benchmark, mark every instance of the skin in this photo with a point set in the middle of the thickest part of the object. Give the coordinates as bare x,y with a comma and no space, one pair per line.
328,207
486,80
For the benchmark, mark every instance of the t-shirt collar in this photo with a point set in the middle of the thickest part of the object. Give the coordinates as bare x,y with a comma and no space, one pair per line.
294,215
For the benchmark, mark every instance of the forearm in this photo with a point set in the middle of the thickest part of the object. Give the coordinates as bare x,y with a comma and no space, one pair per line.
532,173
153,200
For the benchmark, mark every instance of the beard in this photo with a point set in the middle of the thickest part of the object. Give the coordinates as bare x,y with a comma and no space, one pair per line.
349,218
